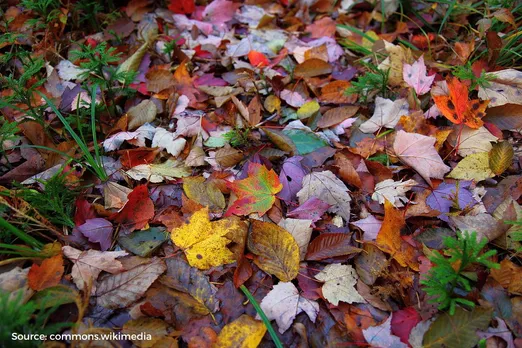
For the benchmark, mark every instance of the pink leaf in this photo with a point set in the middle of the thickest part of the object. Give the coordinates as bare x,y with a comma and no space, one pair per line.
416,76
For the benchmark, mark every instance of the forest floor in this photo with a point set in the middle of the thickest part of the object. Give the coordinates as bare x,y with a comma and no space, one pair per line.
310,173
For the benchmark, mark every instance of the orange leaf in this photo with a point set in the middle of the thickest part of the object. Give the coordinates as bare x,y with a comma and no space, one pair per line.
134,157
389,238
454,103
258,59
47,274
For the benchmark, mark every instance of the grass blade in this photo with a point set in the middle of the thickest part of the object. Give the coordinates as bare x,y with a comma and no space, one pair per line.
20,234
262,314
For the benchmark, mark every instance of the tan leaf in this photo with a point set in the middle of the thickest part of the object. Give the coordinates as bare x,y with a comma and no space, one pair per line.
142,113
120,290
501,157
336,115
312,67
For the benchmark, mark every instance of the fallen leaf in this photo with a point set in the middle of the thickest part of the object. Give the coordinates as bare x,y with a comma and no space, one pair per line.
283,303
97,230
138,210
416,76
458,330
501,157
389,238
301,231
182,277
393,191
89,264
473,167
370,226
336,115
381,336
156,328
46,275
387,114
329,245
328,188
339,284
258,59
245,332
418,152
205,242
452,99
168,141
307,110
115,195
205,193
120,290
144,112
312,67
276,250
256,193
155,173
472,140
504,87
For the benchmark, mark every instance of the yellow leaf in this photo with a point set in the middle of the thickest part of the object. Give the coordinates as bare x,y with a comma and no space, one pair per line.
244,332
473,167
501,157
272,103
205,242
308,109
389,238
276,250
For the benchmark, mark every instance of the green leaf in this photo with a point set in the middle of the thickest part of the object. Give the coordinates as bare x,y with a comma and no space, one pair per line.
144,242
500,157
304,141
457,331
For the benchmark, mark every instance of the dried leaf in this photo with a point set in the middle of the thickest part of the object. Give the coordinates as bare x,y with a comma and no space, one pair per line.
48,274
339,284
501,157
244,332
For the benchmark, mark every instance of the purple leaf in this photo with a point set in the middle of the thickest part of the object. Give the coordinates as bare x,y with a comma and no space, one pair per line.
370,226
98,231
446,195
291,177
312,209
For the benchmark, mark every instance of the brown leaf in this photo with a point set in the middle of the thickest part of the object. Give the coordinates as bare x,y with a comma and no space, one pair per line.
254,111
312,67
336,115
228,157
328,245
334,93
120,290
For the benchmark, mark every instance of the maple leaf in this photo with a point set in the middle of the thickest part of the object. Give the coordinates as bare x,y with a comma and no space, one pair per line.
89,264
387,114
284,303
48,274
389,238
138,210
256,193
452,99
416,76
418,151
205,242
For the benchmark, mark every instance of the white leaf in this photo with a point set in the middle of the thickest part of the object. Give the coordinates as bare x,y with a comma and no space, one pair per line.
393,191
168,141
417,333
381,336
89,264
340,281
387,113
284,303
505,87
328,188
418,151
301,231
114,142
155,173
68,71
472,140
